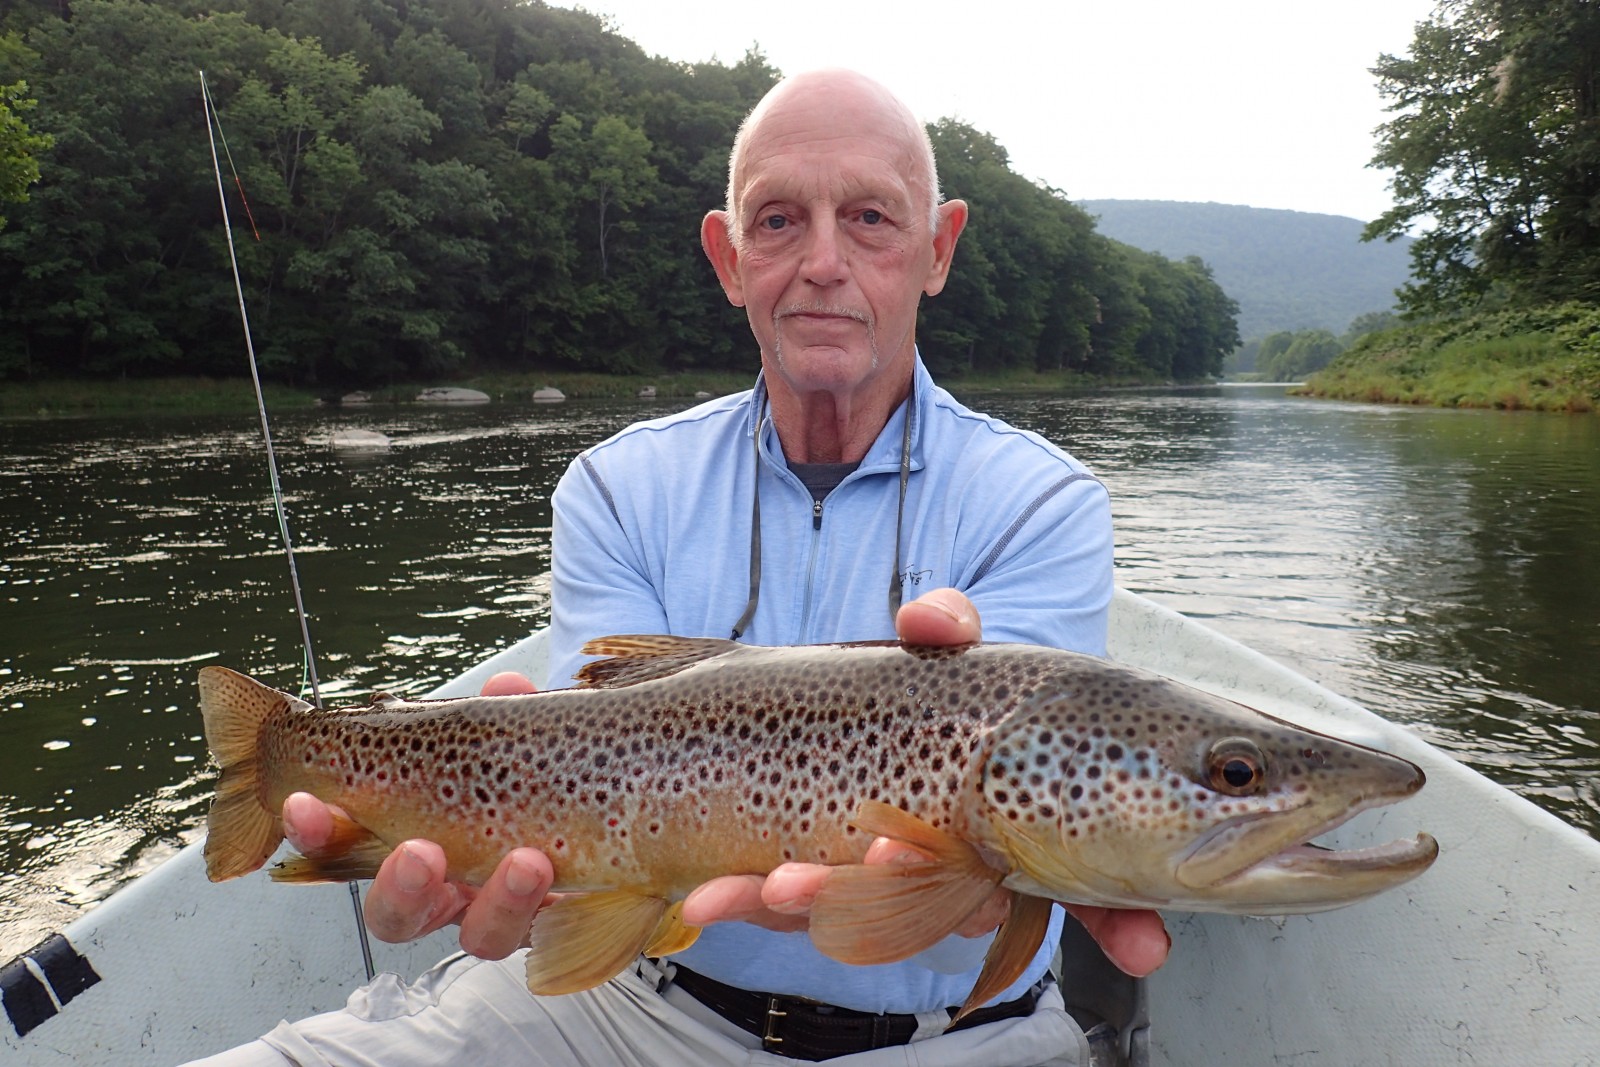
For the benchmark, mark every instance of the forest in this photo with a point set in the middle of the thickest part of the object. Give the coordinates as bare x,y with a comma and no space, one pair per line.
420,190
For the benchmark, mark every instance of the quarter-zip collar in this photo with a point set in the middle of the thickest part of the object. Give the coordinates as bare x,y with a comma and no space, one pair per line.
882,457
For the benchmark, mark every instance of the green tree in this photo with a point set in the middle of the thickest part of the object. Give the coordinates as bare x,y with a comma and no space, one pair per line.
19,146
609,167
1369,322
1290,357
1495,149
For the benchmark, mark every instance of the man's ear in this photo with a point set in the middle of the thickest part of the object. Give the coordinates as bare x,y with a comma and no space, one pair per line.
952,220
717,240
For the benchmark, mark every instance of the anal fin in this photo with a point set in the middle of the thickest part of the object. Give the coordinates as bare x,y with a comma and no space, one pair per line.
672,934
352,851
1012,950
886,912
584,939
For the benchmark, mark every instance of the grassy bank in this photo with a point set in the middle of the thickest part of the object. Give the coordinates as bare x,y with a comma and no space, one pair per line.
223,396
1540,359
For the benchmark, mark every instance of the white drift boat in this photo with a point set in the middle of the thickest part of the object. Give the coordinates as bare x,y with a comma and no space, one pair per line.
1491,957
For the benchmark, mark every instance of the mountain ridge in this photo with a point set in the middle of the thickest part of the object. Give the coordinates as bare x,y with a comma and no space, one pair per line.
1289,270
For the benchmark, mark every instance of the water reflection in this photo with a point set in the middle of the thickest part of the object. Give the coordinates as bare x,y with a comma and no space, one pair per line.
1432,565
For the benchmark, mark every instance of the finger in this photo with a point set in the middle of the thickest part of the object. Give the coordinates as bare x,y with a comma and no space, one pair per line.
496,921
939,617
736,898
990,914
729,899
791,888
888,850
410,897
508,683
1135,940
307,822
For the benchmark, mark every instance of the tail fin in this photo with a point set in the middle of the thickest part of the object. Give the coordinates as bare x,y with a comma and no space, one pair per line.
241,831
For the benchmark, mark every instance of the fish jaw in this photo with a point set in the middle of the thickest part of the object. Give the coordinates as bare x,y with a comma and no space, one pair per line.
1307,878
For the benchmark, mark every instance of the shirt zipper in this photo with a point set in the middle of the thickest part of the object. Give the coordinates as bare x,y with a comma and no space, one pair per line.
811,569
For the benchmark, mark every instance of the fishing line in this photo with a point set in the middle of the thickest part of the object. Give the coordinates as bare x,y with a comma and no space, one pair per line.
213,131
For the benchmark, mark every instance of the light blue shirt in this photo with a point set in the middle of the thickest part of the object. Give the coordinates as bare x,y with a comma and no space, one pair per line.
652,535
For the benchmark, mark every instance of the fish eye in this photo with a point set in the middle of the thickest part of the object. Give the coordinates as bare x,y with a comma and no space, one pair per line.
1237,767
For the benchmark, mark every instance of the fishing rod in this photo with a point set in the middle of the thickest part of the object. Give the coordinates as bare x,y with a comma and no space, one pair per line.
213,132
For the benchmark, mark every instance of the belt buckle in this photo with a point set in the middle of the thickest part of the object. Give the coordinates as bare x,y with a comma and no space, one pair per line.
769,1037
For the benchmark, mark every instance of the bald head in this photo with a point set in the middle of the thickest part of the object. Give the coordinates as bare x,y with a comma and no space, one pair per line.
840,98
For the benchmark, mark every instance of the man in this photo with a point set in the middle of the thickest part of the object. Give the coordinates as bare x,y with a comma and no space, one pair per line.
865,484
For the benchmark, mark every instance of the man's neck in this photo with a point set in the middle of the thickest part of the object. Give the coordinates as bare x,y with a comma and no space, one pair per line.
824,427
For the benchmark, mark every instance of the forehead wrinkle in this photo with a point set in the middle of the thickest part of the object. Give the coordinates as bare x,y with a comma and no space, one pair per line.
867,110
801,167
829,183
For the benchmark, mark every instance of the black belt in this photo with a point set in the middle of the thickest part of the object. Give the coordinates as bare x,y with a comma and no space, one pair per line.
805,1029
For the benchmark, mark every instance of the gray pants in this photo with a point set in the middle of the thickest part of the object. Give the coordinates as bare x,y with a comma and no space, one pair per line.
478,1013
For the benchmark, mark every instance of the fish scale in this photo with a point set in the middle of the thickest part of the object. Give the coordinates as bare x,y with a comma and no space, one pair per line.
1061,776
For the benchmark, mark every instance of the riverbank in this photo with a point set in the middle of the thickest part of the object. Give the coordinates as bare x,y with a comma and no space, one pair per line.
1539,359
221,396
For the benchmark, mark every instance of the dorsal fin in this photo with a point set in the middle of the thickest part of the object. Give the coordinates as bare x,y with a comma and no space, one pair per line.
645,657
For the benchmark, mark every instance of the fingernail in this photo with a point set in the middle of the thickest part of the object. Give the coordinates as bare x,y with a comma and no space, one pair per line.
411,874
793,906
904,857
787,900
959,608
521,878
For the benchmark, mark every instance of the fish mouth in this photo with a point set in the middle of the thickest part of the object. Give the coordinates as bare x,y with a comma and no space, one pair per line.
1269,877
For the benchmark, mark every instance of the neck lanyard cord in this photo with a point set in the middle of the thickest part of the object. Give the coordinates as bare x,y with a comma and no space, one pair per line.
749,612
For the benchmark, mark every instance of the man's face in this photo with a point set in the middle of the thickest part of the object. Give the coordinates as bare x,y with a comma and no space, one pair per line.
828,246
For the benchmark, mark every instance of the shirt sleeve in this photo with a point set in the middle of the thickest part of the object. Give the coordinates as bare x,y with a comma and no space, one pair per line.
1045,578
599,584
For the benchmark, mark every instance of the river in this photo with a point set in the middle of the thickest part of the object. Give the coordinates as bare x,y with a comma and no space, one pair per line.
1436,566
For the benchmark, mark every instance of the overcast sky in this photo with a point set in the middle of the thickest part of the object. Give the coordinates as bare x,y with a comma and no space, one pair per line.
1260,102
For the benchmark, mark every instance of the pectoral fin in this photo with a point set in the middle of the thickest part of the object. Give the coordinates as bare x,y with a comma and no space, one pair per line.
352,852
885,912
672,933
1012,950
581,940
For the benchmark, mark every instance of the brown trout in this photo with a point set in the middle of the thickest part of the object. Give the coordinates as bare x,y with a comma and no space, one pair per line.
1061,776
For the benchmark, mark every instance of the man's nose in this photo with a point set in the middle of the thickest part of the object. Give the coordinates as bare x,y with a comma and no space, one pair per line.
823,259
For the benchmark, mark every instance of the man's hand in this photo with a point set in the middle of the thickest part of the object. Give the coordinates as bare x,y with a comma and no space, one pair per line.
1135,940
410,896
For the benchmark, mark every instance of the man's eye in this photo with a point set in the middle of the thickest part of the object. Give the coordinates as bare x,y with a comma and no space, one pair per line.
871,217
774,222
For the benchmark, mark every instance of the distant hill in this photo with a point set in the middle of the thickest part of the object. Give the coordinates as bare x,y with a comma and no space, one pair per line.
1289,270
